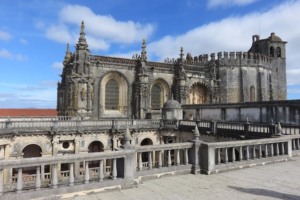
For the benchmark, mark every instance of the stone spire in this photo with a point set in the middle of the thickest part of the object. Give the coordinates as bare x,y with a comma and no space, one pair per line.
127,137
82,44
144,51
181,54
68,55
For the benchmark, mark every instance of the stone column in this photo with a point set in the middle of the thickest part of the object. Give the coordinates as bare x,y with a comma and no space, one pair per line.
150,160
260,152
233,154
2,155
71,176
77,163
38,178
186,156
6,172
169,158
178,157
253,152
159,159
1,182
86,173
226,155
282,148
101,170
218,156
140,166
247,152
54,176
241,153
19,181
266,150
272,150
114,172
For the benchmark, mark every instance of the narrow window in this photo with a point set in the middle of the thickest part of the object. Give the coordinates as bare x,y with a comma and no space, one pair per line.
272,51
155,97
278,52
112,95
252,93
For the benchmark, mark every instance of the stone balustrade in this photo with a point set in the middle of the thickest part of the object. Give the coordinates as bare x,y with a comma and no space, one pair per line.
223,156
123,166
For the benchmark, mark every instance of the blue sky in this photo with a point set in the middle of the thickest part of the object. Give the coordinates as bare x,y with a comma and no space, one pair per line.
34,33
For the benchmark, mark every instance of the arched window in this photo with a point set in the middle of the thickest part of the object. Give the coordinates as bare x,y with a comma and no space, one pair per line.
156,97
111,95
272,51
252,93
278,52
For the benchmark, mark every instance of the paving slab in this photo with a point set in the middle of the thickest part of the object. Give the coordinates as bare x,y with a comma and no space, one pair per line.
273,181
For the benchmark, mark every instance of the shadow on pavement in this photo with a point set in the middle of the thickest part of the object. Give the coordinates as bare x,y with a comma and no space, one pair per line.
267,193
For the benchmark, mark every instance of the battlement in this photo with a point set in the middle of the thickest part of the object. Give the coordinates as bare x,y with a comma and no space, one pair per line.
229,58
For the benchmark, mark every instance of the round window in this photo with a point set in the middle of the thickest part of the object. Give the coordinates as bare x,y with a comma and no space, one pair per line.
66,145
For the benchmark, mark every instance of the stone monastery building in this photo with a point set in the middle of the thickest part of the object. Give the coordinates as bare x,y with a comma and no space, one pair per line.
104,87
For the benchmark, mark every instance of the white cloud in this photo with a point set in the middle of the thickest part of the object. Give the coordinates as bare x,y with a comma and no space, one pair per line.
235,34
57,65
101,30
31,96
23,41
4,53
5,36
228,3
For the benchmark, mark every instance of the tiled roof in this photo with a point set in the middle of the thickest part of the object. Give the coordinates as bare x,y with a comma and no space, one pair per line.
20,112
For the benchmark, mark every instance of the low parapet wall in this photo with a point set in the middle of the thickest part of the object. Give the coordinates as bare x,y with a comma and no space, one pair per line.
285,112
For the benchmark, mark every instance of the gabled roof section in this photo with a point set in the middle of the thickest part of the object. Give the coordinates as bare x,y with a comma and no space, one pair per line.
24,112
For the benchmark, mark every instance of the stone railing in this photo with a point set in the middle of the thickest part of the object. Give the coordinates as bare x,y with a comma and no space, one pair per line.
223,156
124,167
56,124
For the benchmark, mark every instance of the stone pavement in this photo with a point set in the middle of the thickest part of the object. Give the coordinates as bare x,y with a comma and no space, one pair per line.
273,181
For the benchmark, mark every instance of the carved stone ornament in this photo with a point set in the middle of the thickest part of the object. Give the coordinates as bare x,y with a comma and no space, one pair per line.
183,92
83,94
144,90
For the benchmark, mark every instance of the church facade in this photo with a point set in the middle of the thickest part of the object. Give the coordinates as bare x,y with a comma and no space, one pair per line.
94,86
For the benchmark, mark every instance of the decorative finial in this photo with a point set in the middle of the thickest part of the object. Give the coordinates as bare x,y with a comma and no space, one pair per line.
82,44
181,54
144,51
68,55
127,137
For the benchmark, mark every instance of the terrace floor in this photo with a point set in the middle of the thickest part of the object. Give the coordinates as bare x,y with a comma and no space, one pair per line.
273,181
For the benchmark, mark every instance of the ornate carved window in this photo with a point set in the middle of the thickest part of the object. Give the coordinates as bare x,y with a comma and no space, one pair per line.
156,97
198,94
112,95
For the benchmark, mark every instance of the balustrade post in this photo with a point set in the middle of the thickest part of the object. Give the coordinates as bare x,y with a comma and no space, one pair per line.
247,153
277,149
114,172
282,148
178,157
226,155
266,150
298,143
169,158
101,174
293,144
149,160
218,156
1,182
241,153
186,156
38,178
86,173
71,176
54,176
159,159
233,154
272,150
140,166
253,152
260,151
19,181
